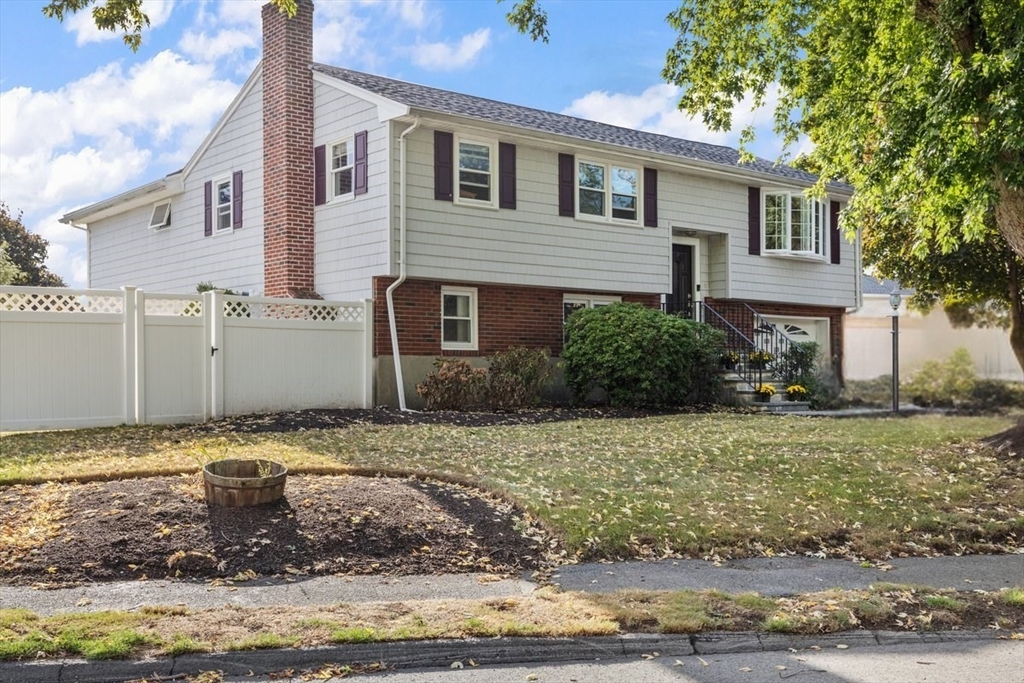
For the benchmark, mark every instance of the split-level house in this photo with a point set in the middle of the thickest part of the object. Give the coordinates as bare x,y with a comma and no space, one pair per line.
479,224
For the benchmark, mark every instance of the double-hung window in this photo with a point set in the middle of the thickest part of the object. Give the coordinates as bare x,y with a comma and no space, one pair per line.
341,169
475,172
794,224
222,218
458,318
574,302
607,192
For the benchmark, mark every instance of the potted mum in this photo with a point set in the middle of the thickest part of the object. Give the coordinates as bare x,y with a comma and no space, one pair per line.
764,392
795,392
729,359
759,359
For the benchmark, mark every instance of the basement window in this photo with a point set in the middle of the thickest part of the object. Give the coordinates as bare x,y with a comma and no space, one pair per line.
161,216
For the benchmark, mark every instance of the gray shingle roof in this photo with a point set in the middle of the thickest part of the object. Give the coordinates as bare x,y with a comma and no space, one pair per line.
872,285
457,104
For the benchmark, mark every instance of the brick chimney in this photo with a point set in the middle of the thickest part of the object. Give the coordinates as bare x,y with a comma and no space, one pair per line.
288,255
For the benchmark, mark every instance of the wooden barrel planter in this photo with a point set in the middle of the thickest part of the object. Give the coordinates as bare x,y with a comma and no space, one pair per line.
243,483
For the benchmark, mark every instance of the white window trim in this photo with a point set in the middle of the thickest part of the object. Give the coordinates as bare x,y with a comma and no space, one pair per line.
166,222
588,300
607,218
217,182
350,143
788,230
473,343
492,145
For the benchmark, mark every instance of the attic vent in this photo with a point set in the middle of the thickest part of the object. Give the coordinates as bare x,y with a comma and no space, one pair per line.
161,217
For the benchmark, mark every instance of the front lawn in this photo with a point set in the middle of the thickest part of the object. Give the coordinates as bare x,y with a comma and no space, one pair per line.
697,485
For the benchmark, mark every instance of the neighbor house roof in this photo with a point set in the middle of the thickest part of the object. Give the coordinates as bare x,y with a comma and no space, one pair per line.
457,104
872,285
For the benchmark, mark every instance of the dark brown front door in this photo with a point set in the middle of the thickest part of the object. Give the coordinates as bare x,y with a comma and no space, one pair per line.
681,299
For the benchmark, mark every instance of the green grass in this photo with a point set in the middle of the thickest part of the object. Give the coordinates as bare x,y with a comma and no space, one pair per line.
1013,596
262,641
687,484
100,635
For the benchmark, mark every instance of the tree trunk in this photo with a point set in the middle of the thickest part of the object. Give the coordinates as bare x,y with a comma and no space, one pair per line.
1015,288
1010,216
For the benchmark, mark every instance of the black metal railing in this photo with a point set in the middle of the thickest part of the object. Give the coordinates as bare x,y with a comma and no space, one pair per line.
753,345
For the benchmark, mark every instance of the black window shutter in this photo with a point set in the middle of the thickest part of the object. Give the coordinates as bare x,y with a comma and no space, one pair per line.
754,221
566,185
833,231
208,208
320,175
506,175
443,168
650,198
359,182
236,200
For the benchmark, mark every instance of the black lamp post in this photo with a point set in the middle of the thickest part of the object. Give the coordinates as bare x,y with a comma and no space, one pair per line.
894,301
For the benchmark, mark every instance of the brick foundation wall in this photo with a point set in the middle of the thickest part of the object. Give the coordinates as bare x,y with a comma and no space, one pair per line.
508,316
834,314
288,253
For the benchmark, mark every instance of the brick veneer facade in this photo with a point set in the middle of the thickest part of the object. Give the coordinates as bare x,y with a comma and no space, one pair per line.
288,255
833,313
508,316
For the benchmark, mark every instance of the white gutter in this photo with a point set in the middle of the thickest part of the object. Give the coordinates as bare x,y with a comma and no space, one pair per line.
858,274
401,265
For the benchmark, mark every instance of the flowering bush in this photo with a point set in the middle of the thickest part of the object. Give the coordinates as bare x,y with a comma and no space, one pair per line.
760,357
765,390
796,390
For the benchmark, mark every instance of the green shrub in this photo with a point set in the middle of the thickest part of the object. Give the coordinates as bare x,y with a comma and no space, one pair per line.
517,377
824,389
454,385
994,394
640,356
943,383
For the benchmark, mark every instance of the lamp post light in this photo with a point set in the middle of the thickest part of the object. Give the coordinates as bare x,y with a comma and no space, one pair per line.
894,301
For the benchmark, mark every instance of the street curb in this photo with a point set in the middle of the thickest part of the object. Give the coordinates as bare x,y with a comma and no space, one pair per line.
443,653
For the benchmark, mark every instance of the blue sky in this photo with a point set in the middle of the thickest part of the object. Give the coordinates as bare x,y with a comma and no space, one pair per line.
82,117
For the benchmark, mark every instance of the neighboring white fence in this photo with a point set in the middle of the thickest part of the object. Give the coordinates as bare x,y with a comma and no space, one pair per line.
79,358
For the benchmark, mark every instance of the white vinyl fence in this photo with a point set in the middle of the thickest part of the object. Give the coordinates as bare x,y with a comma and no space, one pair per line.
81,358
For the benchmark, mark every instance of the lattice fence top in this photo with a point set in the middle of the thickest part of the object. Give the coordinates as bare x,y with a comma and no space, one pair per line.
325,312
61,301
180,307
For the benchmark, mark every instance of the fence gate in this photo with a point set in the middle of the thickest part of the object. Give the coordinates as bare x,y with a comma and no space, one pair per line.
81,358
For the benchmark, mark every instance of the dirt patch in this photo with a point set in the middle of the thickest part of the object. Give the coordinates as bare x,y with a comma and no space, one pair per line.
162,527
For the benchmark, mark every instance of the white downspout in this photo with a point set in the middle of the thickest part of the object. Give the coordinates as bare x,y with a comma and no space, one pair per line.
401,265
858,274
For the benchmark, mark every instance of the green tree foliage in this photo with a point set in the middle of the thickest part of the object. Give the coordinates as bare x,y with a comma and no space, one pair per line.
10,274
640,356
125,16
917,104
977,283
26,250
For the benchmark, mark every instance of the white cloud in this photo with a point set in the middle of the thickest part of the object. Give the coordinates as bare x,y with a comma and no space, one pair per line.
340,39
94,135
210,48
412,12
655,110
83,25
443,56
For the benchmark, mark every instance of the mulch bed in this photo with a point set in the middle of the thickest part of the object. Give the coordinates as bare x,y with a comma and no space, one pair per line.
162,527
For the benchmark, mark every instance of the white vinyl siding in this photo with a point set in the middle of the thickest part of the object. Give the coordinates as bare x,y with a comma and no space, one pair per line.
122,251
719,206
532,245
352,235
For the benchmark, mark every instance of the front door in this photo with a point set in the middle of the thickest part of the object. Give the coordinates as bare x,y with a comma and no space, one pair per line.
681,299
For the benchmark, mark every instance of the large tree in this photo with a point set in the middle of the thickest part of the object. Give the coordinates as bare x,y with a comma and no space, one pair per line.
26,250
977,283
918,104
